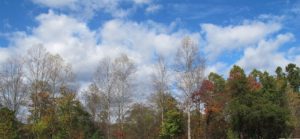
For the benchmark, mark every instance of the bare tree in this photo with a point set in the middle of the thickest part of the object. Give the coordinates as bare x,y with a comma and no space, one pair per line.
46,73
160,79
190,67
37,63
60,73
113,78
13,89
124,70
105,80
93,101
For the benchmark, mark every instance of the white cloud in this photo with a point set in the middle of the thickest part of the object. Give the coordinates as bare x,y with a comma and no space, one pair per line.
144,38
220,39
142,1
83,47
266,55
55,3
219,67
153,8
87,9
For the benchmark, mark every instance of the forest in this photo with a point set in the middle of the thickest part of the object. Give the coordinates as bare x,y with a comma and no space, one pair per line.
40,98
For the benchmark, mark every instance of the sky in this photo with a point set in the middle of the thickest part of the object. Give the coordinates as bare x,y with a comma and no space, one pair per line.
252,34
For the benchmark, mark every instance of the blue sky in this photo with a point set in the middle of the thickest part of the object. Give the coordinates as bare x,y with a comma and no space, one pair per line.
252,34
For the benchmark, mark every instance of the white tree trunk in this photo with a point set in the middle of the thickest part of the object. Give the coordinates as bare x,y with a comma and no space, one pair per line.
189,122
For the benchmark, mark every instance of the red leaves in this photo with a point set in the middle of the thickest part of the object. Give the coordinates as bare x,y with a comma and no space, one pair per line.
206,86
119,134
253,84
214,101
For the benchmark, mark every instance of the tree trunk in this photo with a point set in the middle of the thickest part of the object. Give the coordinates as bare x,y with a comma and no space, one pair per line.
189,121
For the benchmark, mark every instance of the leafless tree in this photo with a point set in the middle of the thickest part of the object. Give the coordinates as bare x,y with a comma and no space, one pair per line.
113,78
45,73
124,70
161,81
13,89
93,101
105,81
190,67
60,74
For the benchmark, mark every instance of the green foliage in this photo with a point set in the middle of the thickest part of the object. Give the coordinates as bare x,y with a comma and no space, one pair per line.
218,81
172,125
257,111
143,122
293,76
62,117
231,135
8,124
173,121
73,120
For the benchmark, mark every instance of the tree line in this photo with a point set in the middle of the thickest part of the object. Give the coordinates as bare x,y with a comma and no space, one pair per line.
40,98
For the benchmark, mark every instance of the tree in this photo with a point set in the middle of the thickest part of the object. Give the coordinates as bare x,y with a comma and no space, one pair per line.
172,125
212,96
73,121
160,79
124,70
105,81
190,67
114,80
142,122
60,74
13,89
45,75
93,101
45,125
8,124
257,105
293,76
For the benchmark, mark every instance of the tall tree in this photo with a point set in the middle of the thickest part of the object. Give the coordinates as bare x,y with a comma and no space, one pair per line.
172,126
161,81
124,71
293,76
60,74
105,81
142,122
190,67
13,89
257,105
212,98
115,82
93,101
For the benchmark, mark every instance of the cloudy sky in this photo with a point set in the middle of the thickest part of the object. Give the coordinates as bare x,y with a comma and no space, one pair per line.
252,34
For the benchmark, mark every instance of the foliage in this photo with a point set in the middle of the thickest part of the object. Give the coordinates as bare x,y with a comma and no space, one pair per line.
255,111
142,122
256,105
173,123
8,124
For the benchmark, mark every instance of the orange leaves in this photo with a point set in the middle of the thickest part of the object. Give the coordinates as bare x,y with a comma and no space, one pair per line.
206,88
213,108
253,84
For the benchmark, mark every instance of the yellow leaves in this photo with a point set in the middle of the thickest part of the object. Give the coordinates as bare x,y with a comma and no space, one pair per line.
41,126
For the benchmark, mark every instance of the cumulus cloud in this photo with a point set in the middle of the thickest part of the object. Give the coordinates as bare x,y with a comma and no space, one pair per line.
83,47
266,55
219,67
219,39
